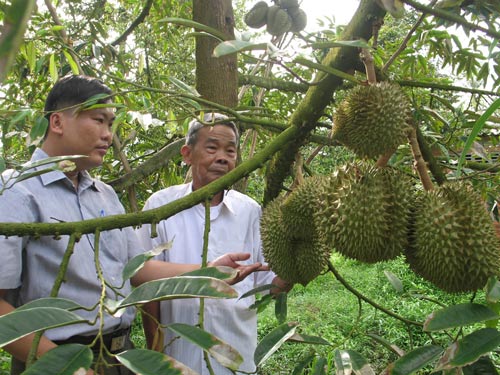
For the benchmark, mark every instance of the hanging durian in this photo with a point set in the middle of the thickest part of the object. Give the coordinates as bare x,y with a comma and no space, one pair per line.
257,15
360,217
372,120
453,242
291,244
301,205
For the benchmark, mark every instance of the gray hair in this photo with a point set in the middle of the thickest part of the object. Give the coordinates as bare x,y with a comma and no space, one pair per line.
210,118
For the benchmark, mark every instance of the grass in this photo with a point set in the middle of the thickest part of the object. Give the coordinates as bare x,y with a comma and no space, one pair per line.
325,308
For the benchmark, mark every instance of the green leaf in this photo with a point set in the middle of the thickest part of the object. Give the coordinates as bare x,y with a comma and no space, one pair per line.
3,166
232,46
49,160
261,304
18,324
62,360
415,360
493,290
395,281
178,287
38,130
301,365
53,68
148,362
184,87
195,25
307,339
135,264
469,349
457,316
475,131
387,344
348,361
14,25
226,355
319,367
272,342
219,272
280,307
260,288
60,303
340,43
71,62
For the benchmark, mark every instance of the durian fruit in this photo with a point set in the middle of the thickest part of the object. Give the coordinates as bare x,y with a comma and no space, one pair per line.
299,19
257,15
278,21
372,120
360,217
288,4
291,242
452,239
301,205
294,259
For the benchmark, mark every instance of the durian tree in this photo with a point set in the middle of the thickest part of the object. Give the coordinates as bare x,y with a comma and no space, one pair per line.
290,107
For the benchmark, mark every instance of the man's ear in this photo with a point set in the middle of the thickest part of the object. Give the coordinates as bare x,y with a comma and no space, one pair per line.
186,154
56,123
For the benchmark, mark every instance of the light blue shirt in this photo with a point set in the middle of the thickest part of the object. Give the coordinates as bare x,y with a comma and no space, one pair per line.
31,264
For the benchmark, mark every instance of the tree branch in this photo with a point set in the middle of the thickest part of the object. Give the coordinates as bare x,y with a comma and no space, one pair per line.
452,17
160,213
366,299
133,25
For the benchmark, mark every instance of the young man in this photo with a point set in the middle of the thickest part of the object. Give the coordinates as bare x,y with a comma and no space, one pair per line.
30,264
211,152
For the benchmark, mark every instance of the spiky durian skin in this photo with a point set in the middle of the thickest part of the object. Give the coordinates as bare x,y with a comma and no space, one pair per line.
300,206
452,239
295,256
372,120
360,217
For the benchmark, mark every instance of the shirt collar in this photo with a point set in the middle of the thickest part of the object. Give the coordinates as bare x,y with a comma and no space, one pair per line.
53,176
227,200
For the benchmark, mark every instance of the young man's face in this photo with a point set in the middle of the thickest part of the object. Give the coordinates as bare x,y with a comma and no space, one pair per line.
213,155
85,133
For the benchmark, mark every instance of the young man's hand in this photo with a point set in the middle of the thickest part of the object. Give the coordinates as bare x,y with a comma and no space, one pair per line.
242,270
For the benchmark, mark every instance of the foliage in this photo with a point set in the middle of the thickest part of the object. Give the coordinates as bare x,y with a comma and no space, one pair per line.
146,55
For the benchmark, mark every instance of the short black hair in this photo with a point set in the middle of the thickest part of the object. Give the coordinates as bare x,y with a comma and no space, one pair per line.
209,119
72,90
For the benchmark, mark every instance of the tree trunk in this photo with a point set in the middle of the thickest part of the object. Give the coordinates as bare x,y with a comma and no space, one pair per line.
216,78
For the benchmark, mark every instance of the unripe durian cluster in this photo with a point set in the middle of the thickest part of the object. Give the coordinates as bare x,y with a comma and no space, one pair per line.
453,243
281,18
365,212
375,214
291,242
372,120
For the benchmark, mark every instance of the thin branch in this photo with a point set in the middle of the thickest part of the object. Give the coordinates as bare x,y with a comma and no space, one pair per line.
62,33
405,40
133,25
366,299
452,17
420,164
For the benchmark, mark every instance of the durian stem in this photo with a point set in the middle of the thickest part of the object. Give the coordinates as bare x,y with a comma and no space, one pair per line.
420,164
367,300
384,159
367,58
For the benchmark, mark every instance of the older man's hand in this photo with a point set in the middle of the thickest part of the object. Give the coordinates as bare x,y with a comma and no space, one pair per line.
242,270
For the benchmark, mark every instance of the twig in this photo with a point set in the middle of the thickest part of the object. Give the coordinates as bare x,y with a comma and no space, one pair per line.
452,17
134,24
404,43
420,164
366,299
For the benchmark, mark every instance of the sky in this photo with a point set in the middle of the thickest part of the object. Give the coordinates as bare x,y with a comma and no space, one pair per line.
341,10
